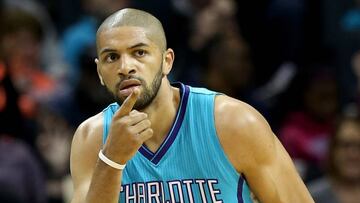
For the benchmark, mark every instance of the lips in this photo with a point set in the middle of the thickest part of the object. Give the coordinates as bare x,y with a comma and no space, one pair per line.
129,83
126,87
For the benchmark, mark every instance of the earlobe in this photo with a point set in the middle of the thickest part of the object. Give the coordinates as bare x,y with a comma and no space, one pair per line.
98,71
168,61
101,81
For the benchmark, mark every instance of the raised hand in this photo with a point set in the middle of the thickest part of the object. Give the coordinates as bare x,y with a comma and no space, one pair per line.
129,130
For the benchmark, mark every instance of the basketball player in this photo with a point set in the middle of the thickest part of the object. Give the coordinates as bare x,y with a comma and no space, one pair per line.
162,142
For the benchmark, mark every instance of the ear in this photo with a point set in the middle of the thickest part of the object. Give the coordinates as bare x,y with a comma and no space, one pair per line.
168,61
99,72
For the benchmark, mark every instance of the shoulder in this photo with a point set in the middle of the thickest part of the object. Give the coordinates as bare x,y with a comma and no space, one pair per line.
91,124
87,142
242,130
256,153
89,132
237,115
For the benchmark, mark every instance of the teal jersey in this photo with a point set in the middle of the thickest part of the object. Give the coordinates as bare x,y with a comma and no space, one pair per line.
189,166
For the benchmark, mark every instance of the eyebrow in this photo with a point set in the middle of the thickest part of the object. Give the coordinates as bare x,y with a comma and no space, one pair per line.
141,44
105,50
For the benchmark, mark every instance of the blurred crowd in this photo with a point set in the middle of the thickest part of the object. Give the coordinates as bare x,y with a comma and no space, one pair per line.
297,62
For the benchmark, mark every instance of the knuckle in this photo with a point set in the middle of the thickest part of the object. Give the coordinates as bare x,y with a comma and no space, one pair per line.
131,131
133,113
147,123
141,116
150,131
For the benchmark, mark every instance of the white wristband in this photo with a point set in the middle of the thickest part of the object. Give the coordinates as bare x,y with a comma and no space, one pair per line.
110,163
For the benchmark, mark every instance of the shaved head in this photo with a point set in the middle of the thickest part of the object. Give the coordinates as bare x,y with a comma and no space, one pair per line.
136,18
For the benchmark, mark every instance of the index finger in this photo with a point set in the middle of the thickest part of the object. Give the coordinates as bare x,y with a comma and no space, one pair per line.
128,104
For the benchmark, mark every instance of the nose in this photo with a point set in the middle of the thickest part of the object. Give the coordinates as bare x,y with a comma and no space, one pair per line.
126,66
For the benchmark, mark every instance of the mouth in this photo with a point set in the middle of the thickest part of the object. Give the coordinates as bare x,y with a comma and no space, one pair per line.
126,87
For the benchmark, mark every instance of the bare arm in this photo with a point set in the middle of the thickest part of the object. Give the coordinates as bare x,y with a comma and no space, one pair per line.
256,153
95,181
87,170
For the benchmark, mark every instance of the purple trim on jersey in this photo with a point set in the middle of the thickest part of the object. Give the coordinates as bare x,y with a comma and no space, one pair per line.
240,190
144,151
170,138
176,128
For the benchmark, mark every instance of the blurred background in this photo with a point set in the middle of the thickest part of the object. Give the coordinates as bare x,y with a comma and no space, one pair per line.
295,61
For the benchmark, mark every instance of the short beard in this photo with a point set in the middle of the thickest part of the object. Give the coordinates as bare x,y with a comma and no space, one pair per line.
148,94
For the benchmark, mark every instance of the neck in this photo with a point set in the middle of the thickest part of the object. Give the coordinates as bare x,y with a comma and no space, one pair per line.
162,113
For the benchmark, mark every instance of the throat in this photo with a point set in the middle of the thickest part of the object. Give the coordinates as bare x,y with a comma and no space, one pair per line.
162,128
163,120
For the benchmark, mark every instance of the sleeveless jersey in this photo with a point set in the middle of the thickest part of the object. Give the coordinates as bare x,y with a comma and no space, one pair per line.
189,166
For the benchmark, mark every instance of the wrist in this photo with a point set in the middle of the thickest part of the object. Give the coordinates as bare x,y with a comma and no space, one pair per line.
110,162
114,155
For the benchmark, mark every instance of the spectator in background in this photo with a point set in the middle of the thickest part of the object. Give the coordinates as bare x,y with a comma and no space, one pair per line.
306,130
32,90
21,176
229,70
201,22
53,142
21,37
341,184
210,21
9,106
228,67
355,97
50,53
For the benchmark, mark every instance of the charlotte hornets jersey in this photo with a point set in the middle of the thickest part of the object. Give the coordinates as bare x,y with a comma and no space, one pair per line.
189,166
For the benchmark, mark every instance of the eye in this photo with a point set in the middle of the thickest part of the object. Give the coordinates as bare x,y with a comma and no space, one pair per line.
140,53
111,57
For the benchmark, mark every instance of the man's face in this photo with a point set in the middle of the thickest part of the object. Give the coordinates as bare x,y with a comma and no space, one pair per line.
129,60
